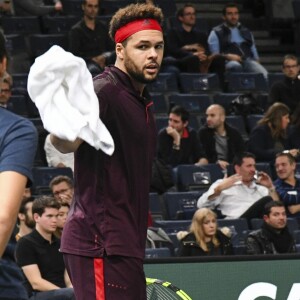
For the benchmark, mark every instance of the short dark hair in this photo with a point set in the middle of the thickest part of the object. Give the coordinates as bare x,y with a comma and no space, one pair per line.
231,4
290,56
132,12
41,203
269,205
61,178
181,112
239,158
290,157
180,11
22,209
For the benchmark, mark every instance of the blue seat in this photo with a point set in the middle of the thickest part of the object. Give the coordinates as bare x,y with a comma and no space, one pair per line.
59,24
172,226
15,44
157,252
239,229
192,177
225,99
252,120
238,123
40,43
18,105
43,175
296,9
155,207
20,80
181,205
168,7
193,103
21,25
275,76
264,167
199,83
164,83
159,103
246,82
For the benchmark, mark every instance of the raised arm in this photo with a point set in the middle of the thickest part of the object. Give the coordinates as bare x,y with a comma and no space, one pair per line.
65,146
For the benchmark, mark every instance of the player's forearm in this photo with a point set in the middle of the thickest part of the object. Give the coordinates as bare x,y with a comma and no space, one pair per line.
43,285
65,146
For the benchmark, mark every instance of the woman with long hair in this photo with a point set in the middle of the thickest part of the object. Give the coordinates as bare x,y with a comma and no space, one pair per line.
204,237
269,137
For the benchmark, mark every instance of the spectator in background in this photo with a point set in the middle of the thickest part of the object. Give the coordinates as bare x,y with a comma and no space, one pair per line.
39,257
25,220
35,7
188,45
5,90
89,39
287,185
236,43
240,195
204,237
178,143
56,158
274,236
294,130
220,141
287,90
270,135
62,188
62,218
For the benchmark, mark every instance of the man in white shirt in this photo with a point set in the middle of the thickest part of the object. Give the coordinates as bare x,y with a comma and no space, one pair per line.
240,195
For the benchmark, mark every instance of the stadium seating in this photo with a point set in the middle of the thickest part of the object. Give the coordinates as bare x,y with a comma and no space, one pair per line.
246,82
43,175
181,205
157,252
192,177
40,43
198,83
164,83
193,103
21,25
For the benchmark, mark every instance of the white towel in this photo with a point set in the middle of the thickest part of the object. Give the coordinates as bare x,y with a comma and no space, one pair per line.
61,86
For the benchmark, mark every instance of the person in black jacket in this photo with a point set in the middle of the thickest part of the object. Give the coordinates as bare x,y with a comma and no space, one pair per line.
274,236
178,144
204,237
287,90
270,136
188,45
220,141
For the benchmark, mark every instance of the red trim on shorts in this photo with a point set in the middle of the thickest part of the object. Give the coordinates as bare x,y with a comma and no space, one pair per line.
99,278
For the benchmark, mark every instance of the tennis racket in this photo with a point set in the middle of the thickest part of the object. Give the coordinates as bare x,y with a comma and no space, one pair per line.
163,290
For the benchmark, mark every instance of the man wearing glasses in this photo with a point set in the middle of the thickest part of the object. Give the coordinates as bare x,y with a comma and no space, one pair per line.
287,90
62,188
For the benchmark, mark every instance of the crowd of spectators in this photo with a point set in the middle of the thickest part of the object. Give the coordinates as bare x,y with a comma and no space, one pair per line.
228,47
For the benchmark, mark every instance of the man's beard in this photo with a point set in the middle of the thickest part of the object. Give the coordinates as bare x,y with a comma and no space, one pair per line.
136,74
29,222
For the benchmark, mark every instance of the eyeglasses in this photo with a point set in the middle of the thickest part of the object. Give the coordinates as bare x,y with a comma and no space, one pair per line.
57,193
290,66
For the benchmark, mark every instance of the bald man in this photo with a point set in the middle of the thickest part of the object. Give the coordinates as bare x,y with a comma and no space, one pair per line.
220,141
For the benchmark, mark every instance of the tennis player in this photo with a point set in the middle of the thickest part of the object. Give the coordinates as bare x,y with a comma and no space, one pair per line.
104,238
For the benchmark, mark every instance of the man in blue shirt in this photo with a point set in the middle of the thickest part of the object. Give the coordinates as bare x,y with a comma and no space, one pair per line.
287,185
18,141
236,43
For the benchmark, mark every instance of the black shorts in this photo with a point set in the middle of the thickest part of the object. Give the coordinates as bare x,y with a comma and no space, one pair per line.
107,278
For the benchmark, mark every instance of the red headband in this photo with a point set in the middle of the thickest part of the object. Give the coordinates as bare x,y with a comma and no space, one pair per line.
130,28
